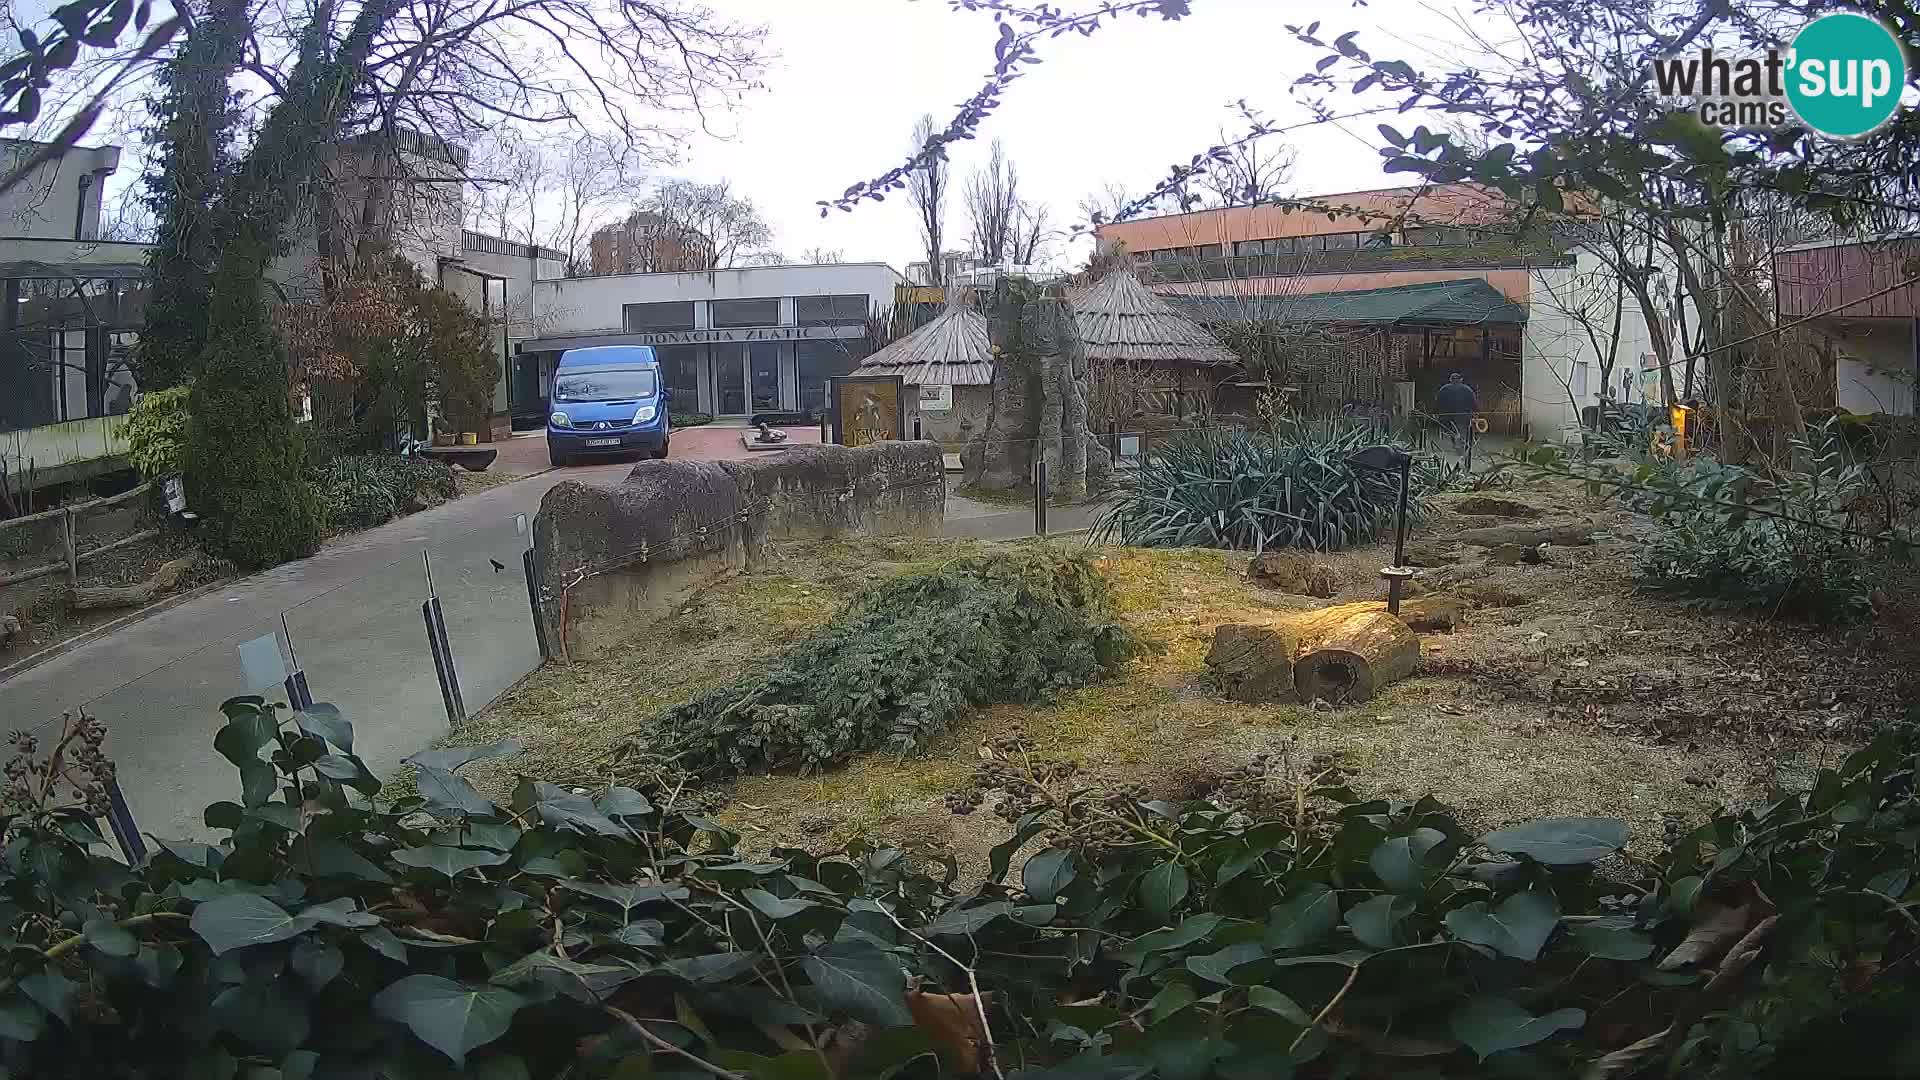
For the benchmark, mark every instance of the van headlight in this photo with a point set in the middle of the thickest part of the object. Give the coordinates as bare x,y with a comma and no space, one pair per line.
645,413
559,419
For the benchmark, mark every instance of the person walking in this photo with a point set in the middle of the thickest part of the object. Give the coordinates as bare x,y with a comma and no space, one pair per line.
1455,403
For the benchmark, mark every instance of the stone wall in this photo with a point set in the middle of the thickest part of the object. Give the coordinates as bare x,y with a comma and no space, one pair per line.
615,563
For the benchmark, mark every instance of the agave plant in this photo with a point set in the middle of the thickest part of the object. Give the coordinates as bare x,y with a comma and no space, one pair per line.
1292,486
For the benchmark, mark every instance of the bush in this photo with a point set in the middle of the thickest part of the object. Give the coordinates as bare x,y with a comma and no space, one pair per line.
243,461
901,661
156,431
692,419
1308,934
1730,537
1251,491
365,490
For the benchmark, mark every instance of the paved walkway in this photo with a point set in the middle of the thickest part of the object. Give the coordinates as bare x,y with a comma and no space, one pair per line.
351,618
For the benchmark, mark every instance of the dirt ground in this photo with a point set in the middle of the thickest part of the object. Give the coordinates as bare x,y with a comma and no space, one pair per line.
1564,692
47,622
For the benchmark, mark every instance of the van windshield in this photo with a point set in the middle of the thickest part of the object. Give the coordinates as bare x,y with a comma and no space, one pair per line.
613,384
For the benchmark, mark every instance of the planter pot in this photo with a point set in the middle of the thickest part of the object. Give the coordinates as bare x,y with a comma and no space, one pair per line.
443,439
469,438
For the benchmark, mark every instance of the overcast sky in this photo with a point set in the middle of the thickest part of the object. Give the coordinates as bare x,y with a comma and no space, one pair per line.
852,76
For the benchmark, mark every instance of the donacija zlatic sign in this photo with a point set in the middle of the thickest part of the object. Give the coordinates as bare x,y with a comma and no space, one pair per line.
747,333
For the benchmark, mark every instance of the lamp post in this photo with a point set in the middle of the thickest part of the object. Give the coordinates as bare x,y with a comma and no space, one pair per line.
1392,459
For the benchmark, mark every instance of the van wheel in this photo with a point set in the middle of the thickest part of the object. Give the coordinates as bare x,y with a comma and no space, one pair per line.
665,445
556,458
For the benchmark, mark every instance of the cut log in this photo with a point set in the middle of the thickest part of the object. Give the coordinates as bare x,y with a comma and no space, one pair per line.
1254,663
1347,655
1425,615
163,581
1566,534
1297,572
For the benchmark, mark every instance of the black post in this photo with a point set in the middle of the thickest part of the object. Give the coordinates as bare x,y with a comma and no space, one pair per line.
1039,494
916,427
533,599
436,621
298,695
1396,582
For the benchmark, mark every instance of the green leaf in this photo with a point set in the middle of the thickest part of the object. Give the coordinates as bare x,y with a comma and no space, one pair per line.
866,983
773,907
626,897
504,1067
1303,920
1491,1024
258,781
559,807
453,757
330,858
1517,928
453,1018
1218,966
1191,929
241,919
1162,888
272,1019
242,737
623,802
1171,999
110,938
344,911
51,991
447,861
1613,937
1048,873
449,795
1397,862
958,922
323,721
494,836
20,1020
1376,922
1561,841
381,940
316,961
585,983
1279,1004
712,967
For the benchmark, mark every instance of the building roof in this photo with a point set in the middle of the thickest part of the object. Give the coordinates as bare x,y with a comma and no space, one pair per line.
1461,204
952,349
1122,320
1471,301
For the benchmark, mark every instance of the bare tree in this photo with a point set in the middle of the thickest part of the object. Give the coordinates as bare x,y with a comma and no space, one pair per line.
1248,173
818,256
688,225
927,188
1006,228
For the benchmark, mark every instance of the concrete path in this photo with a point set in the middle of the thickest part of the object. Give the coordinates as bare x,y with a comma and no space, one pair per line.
350,617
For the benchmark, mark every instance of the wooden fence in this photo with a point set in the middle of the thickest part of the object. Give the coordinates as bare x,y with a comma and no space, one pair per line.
72,555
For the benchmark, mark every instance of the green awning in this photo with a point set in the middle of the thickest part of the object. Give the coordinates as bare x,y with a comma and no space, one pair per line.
1471,302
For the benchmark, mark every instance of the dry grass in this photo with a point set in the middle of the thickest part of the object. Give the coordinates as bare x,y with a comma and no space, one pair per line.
1488,729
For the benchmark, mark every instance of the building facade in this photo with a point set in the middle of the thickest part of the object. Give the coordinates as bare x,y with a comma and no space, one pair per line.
740,342
646,243
1851,292
1536,361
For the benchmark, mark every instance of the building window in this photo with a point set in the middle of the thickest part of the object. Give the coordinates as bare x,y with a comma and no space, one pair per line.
1342,241
817,361
653,318
827,310
759,312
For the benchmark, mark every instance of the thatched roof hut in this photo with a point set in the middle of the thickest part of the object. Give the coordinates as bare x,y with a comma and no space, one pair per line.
950,350
1122,321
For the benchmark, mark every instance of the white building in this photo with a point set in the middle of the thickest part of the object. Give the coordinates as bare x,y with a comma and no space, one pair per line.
739,342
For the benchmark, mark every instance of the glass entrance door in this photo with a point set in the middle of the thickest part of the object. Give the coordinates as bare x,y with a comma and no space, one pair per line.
763,376
746,378
729,379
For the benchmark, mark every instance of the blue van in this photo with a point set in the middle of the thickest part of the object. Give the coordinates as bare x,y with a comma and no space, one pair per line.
607,400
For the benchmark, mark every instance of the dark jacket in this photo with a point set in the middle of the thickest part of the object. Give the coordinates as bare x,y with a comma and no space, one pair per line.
1454,399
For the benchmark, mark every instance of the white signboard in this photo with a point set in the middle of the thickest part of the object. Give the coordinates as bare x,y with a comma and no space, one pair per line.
936,397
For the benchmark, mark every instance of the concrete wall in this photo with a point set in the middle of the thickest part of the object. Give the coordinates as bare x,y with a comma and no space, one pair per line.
954,427
60,199
1863,388
67,451
1558,354
616,562
595,304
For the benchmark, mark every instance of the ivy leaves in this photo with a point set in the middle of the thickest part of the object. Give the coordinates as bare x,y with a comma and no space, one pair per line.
453,1018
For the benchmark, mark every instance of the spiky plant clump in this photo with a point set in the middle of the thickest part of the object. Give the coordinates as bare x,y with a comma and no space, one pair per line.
1291,486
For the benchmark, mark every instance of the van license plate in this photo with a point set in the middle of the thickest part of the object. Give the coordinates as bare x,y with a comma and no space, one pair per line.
603,442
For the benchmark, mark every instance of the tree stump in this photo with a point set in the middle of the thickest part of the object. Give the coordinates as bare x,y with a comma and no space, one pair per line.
1348,652
1040,402
1253,663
